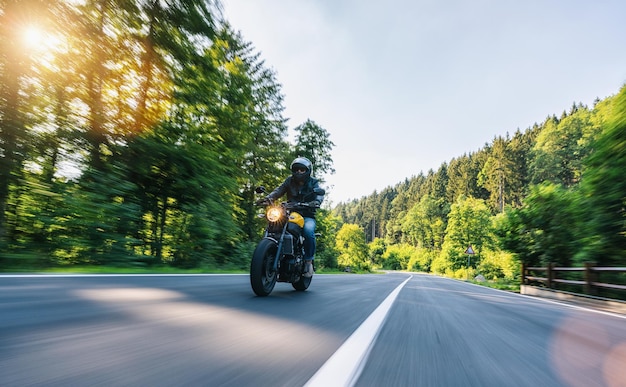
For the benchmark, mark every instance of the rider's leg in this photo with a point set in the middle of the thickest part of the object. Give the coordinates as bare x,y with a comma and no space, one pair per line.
309,245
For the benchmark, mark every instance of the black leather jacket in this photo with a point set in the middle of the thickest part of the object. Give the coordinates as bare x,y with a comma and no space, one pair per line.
298,193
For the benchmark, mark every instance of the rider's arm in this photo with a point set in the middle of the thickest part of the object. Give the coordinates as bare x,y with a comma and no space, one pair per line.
279,191
318,198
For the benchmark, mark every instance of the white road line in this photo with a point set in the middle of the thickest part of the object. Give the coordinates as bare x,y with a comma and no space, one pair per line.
345,365
577,307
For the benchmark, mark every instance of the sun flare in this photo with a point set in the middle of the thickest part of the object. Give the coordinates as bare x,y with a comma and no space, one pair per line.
33,36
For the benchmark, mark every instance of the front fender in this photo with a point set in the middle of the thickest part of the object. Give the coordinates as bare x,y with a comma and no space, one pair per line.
271,239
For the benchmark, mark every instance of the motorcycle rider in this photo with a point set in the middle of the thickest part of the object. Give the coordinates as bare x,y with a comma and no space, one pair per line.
298,186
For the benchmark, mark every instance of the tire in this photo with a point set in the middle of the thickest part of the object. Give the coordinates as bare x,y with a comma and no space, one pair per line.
302,284
262,277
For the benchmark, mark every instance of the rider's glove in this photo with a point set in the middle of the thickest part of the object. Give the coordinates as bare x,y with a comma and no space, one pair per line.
315,204
263,202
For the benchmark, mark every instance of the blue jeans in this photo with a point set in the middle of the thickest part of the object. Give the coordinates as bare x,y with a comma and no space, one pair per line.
309,238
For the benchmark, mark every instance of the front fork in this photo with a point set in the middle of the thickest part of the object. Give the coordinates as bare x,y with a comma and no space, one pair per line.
279,250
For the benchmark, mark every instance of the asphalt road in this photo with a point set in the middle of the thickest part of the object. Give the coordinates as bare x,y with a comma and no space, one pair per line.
210,330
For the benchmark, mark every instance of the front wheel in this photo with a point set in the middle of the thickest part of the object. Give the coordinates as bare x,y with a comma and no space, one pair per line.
262,275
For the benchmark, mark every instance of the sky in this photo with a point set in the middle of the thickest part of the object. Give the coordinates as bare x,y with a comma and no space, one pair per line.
403,86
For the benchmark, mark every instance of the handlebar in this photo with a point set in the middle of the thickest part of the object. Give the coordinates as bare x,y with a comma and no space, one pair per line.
300,204
263,202
288,205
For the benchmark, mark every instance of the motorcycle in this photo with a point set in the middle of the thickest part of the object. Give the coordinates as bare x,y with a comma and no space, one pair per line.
279,256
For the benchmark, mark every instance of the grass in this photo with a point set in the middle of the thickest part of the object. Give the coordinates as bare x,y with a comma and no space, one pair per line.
500,284
135,270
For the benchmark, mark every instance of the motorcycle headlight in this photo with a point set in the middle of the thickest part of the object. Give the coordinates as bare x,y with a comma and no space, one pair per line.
274,214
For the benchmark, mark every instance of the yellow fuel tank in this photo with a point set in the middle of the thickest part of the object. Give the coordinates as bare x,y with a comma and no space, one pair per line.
296,218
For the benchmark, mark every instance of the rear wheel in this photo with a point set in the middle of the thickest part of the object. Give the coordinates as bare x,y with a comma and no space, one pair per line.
262,275
302,284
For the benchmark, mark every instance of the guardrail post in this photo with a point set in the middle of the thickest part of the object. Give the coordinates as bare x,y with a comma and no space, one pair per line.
550,274
524,280
590,277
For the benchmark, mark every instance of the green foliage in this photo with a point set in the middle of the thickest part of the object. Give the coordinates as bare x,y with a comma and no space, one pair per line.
498,264
604,192
377,249
562,146
100,220
352,248
462,177
421,259
497,173
544,229
236,106
326,250
167,124
313,142
184,192
573,213
397,256
31,226
139,141
424,225
469,223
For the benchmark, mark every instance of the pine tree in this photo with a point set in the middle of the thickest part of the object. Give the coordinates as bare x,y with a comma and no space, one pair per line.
313,142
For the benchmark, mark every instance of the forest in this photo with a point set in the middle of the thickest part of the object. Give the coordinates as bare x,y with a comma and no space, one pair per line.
133,134
554,193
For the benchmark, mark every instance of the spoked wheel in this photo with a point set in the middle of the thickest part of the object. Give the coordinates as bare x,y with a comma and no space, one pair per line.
262,276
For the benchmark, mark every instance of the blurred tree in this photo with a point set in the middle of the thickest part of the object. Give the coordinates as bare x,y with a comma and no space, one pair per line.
179,171
604,189
33,233
96,225
15,62
245,101
516,235
538,238
173,31
131,52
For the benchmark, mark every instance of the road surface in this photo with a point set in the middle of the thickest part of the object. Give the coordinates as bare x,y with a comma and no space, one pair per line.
394,329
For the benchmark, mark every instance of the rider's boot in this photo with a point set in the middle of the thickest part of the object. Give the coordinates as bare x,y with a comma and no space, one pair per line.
308,269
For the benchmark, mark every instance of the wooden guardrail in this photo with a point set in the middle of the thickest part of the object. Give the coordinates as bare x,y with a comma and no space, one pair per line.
590,283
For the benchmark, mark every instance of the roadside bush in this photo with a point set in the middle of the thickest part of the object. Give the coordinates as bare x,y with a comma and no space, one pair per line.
498,264
397,257
421,260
